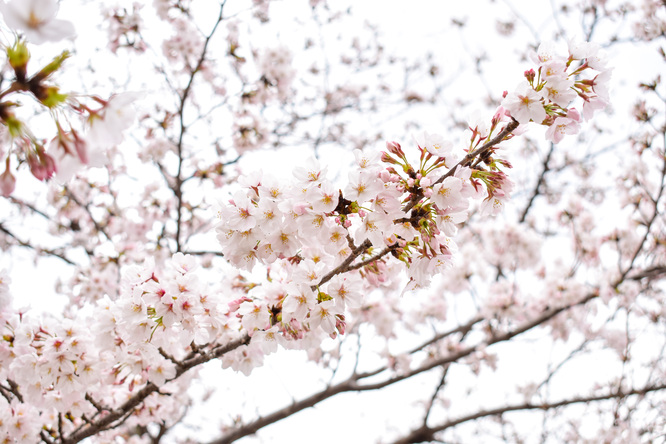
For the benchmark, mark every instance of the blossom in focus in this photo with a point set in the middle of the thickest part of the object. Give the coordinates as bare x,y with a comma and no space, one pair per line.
36,18
525,104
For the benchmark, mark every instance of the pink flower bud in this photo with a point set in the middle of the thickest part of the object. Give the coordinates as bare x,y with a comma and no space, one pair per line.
394,148
530,75
340,325
386,158
7,181
42,166
573,114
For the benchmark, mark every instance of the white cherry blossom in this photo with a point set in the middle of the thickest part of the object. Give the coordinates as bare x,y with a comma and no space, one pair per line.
36,19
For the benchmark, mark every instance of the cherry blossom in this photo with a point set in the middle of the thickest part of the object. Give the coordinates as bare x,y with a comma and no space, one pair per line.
375,261
525,105
36,18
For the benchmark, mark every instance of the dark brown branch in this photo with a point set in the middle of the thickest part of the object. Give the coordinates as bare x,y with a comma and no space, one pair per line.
467,160
344,266
537,189
117,416
651,273
177,187
433,398
415,436
648,225
86,207
374,258
12,391
30,207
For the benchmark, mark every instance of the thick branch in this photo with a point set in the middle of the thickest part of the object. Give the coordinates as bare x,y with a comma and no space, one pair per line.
117,416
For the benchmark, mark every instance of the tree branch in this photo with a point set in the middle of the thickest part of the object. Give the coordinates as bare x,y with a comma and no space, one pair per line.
352,383
416,435
25,244
117,416
542,178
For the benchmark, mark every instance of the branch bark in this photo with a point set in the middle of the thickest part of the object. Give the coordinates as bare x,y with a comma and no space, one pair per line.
116,417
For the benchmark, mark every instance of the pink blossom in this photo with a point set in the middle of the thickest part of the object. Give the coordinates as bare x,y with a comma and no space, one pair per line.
374,227
362,186
41,164
323,198
254,317
561,127
298,303
580,49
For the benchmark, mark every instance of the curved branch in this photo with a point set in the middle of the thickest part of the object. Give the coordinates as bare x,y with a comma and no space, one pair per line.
352,383
25,244
417,435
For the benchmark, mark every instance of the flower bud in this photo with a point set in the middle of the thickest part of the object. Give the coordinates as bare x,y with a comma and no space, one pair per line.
52,67
7,181
530,75
573,114
42,165
386,158
19,56
50,96
394,148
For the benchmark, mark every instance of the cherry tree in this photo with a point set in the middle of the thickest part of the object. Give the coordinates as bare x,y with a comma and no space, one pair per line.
445,223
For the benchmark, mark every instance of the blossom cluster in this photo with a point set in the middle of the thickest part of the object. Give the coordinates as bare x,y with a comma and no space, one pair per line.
100,123
93,363
309,233
545,96
324,246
